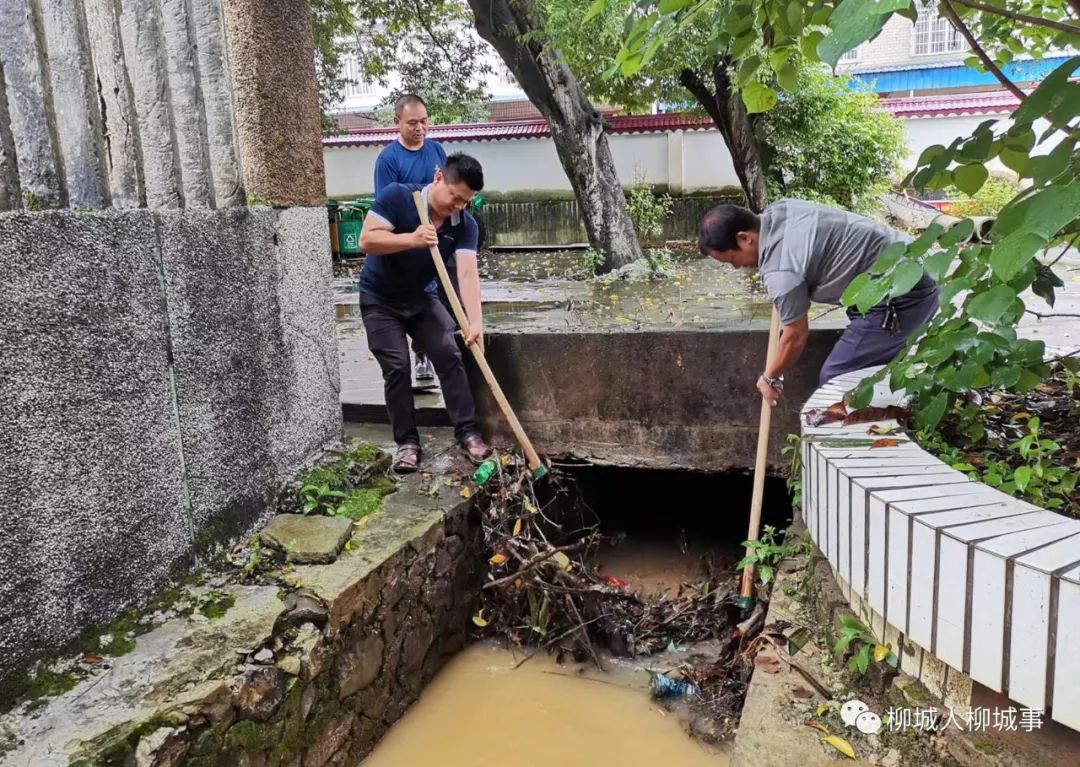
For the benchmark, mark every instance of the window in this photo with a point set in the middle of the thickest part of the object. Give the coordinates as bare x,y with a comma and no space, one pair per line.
357,86
852,55
934,34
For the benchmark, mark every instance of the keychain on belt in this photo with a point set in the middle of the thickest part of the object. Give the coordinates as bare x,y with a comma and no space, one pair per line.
892,319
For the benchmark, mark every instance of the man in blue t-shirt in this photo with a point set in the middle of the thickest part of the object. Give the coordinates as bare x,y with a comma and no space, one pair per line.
411,159
398,297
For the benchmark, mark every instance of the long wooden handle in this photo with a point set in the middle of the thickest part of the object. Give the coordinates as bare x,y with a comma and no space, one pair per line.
462,320
759,465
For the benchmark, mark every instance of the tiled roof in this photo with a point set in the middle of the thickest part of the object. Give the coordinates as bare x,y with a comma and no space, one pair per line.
502,131
995,102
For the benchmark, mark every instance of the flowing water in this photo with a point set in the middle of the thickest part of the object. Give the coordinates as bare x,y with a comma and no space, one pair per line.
481,711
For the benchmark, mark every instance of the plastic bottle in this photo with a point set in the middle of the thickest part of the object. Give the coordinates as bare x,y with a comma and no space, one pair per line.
485,471
664,686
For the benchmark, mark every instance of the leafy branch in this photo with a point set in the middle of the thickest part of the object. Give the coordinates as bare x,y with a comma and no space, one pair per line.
957,22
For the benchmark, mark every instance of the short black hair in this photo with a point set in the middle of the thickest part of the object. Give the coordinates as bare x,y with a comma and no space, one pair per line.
407,100
463,167
719,226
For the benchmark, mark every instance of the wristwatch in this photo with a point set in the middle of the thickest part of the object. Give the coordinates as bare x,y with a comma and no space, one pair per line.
776,383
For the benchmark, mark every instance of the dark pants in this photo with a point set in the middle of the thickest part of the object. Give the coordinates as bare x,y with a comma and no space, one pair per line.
451,269
865,342
430,326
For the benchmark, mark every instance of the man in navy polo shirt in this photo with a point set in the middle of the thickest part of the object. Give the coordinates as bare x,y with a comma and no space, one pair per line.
411,159
398,297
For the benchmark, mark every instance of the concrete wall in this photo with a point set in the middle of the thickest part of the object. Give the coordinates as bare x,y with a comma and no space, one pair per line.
684,162
655,399
167,354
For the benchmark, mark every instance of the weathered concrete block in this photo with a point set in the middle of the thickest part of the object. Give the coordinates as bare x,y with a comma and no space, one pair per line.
90,490
657,399
250,404
306,540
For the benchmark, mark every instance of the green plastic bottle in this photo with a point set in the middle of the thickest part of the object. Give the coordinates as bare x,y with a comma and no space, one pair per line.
485,471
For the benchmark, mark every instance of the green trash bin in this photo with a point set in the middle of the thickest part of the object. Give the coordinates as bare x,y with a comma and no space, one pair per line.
348,227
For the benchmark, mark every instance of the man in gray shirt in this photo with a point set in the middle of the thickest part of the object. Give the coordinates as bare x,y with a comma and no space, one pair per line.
808,252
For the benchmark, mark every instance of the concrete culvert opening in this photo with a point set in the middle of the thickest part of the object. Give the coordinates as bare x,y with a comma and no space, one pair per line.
668,542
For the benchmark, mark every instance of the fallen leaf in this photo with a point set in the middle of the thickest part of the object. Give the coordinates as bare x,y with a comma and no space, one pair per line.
92,658
505,460
479,619
517,527
1021,416
497,559
841,745
822,709
881,430
802,692
867,414
835,412
816,726
880,652
465,492
885,443
770,664
562,560
528,505
614,582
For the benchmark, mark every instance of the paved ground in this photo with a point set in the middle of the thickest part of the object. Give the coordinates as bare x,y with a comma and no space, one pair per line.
533,291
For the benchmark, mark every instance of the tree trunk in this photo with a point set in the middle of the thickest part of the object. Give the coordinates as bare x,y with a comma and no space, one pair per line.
514,28
725,106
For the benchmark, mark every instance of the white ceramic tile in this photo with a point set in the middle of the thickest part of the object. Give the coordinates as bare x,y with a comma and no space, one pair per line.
1015,543
946,490
1029,626
1056,556
952,601
897,571
987,619
1066,697
921,591
993,528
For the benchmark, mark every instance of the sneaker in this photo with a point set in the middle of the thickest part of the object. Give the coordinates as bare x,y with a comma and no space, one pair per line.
424,371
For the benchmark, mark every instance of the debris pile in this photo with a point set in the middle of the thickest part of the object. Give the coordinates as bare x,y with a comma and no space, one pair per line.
545,593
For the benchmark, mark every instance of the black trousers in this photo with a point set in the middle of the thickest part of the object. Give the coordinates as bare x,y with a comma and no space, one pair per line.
451,269
429,324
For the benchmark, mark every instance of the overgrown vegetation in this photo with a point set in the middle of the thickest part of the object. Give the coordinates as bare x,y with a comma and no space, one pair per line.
350,482
1001,440
769,550
994,195
972,343
831,143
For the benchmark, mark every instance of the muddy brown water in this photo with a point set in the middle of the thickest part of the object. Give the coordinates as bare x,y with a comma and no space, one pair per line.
480,711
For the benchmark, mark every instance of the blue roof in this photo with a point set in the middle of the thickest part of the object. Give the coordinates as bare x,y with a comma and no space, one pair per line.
933,77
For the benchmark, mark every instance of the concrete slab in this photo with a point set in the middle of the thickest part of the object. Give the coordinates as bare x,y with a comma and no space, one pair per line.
306,540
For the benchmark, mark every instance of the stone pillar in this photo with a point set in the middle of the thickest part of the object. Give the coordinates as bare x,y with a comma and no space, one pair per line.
675,162
272,58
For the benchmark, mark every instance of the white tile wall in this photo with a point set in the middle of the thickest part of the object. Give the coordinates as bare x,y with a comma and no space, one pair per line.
958,577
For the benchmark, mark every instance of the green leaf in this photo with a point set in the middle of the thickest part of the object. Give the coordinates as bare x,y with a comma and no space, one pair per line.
970,178
853,22
929,154
795,17
747,70
960,232
808,45
1052,96
779,57
671,6
788,78
1025,226
889,258
1015,160
978,146
1022,477
904,277
929,416
595,10
744,42
991,305
758,97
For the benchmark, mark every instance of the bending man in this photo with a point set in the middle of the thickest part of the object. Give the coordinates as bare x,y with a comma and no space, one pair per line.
808,252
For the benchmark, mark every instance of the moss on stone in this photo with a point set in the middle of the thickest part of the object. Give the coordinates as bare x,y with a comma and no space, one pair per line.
246,735
116,748
360,503
217,606
35,687
985,745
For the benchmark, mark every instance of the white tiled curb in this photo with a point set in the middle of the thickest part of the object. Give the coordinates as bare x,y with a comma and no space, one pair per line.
966,582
